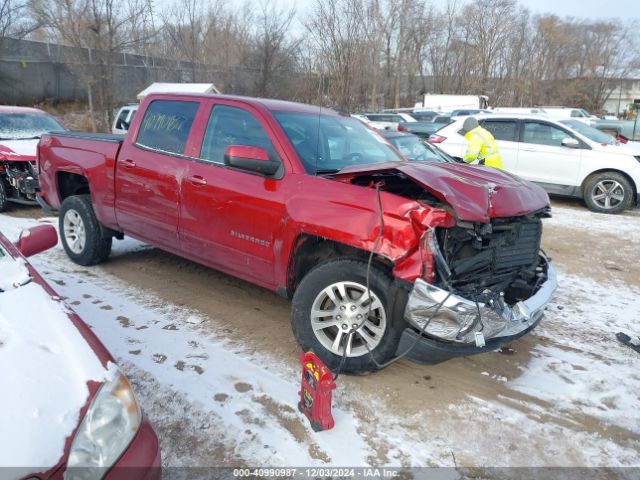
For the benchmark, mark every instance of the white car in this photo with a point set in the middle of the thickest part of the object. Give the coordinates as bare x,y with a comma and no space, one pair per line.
385,121
565,157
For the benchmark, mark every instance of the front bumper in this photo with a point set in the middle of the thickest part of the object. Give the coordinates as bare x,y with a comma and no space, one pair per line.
462,327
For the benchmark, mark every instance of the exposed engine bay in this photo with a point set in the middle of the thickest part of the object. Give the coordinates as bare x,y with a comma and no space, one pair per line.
489,279
399,184
481,261
21,181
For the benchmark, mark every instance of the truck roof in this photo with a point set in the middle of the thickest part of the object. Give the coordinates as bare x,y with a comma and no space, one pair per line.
268,103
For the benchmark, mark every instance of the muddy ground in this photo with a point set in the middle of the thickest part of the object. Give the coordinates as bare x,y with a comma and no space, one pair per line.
429,404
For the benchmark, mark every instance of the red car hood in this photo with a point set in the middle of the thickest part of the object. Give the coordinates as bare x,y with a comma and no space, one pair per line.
18,150
476,193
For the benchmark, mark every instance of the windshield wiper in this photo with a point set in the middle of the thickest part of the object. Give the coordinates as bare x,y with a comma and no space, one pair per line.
328,171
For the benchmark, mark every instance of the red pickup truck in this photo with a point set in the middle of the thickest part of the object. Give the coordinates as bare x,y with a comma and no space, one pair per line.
382,257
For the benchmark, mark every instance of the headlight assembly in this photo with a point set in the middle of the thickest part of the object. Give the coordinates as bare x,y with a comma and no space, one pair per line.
111,422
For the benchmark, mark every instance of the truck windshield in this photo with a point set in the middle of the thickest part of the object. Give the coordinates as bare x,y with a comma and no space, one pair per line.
591,133
21,126
328,143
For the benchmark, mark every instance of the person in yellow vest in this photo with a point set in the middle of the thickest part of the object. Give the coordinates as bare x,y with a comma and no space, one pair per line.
482,146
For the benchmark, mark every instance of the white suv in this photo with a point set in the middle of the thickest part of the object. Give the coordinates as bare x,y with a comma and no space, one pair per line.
565,157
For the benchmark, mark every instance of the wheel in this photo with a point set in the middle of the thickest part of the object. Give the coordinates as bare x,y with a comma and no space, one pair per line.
82,236
4,200
331,300
608,192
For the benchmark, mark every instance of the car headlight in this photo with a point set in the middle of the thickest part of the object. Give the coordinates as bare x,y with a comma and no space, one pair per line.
111,422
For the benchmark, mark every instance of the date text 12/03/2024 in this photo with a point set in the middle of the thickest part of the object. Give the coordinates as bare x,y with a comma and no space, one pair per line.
319,472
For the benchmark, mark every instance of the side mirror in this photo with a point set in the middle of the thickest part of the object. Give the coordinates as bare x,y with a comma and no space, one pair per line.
570,143
251,159
37,239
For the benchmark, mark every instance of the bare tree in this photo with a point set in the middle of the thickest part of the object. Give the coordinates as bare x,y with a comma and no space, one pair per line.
101,30
273,48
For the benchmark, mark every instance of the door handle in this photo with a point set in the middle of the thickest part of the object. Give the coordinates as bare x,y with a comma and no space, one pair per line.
128,163
196,180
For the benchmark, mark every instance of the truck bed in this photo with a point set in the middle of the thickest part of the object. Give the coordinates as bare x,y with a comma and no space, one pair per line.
91,156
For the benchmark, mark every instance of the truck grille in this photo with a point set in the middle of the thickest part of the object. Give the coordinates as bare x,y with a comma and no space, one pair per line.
480,257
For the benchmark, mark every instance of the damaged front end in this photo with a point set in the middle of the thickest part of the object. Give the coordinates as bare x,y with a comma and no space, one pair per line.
477,273
21,181
488,284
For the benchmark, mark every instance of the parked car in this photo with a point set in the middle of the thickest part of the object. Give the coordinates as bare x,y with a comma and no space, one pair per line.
414,148
387,121
565,157
297,199
20,130
623,130
422,129
67,410
424,115
466,112
518,110
443,120
560,113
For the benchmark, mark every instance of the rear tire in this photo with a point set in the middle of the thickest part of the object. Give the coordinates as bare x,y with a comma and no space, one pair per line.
83,238
4,200
608,192
334,288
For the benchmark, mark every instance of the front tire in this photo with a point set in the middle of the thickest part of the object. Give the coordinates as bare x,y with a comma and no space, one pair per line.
608,192
332,299
4,199
83,238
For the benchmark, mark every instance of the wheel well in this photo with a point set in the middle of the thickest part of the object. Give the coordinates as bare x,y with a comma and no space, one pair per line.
310,251
608,170
71,184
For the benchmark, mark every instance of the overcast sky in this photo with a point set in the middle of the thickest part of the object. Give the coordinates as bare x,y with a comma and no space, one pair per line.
624,9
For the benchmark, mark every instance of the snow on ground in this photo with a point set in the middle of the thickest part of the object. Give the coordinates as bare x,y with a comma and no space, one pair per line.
45,365
193,381
626,225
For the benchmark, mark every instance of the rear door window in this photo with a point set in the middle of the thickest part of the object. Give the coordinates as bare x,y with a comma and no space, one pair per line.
501,129
166,125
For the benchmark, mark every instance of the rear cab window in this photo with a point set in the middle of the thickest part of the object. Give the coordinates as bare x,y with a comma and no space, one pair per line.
166,124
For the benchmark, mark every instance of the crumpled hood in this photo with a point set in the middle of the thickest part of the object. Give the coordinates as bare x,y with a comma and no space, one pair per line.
19,150
476,193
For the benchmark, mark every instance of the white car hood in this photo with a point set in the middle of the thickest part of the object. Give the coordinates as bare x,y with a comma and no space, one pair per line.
45,365
622,149
21,147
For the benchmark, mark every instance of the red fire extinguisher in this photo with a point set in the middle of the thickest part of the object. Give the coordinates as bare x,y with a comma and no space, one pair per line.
315,392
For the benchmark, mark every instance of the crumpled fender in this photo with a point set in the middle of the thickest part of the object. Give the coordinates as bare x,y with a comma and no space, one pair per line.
348,214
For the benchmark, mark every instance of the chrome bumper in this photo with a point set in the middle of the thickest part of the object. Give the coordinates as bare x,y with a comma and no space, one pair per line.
463,321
